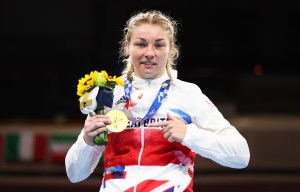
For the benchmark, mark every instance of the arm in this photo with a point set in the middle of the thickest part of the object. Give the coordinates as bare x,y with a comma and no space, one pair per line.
219,141
212,136
207,133
228,147
82,159
84,155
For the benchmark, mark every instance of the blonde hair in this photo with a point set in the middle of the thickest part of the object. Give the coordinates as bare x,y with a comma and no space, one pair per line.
150,17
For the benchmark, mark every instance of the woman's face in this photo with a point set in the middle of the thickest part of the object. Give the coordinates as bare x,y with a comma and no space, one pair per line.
149,49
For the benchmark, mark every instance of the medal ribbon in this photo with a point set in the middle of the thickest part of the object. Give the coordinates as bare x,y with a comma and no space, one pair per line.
162,93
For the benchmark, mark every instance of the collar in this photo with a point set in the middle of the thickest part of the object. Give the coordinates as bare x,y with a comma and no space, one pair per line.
137,81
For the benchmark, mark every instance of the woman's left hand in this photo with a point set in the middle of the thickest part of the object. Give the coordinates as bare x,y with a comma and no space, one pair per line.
172,129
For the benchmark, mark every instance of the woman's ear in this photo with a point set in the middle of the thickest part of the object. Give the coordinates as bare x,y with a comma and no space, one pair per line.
127,47
171,51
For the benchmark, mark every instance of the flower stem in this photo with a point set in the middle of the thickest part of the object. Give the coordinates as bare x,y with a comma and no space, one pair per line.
101,138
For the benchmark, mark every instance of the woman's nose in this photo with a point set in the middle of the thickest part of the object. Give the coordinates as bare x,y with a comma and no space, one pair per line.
149,53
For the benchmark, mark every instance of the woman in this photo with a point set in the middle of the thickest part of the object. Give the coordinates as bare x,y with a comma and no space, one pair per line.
170,120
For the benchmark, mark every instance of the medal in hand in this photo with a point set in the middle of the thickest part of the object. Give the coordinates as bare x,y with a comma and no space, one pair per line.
119,121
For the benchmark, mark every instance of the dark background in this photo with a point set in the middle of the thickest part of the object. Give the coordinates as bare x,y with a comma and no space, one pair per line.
243,54
47,46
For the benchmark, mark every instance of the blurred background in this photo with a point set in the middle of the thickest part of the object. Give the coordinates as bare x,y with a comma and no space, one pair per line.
243,54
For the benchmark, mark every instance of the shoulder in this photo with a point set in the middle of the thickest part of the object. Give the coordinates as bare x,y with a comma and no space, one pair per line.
191,92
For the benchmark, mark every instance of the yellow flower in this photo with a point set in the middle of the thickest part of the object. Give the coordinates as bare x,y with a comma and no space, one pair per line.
115,79
86,82
95,78
104,73
118,81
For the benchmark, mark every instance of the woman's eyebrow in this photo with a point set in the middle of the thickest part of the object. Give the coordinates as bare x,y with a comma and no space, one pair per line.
160,40
157,40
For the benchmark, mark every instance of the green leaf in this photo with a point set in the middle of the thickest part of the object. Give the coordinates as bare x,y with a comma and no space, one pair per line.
101,138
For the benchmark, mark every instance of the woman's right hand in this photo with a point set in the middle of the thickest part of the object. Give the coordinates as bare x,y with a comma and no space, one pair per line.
94,125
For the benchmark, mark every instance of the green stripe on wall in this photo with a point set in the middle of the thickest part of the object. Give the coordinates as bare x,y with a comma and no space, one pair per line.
69,138
12,147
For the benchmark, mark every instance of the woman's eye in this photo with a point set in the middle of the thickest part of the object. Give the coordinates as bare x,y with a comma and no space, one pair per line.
159,45
140,44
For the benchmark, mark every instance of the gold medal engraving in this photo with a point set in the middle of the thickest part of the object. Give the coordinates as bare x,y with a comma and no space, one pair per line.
119,121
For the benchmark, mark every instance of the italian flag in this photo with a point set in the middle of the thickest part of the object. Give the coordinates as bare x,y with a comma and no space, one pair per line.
59,146
26,146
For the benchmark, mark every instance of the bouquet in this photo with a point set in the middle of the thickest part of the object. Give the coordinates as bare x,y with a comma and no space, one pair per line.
96,92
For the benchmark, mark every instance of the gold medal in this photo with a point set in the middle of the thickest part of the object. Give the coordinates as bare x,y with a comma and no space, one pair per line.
119,121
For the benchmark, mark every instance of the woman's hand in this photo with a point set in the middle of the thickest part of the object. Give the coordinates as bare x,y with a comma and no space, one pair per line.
173,129
93,126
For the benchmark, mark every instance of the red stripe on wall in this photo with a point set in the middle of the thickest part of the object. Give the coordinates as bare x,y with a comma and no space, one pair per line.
58,158
40,147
